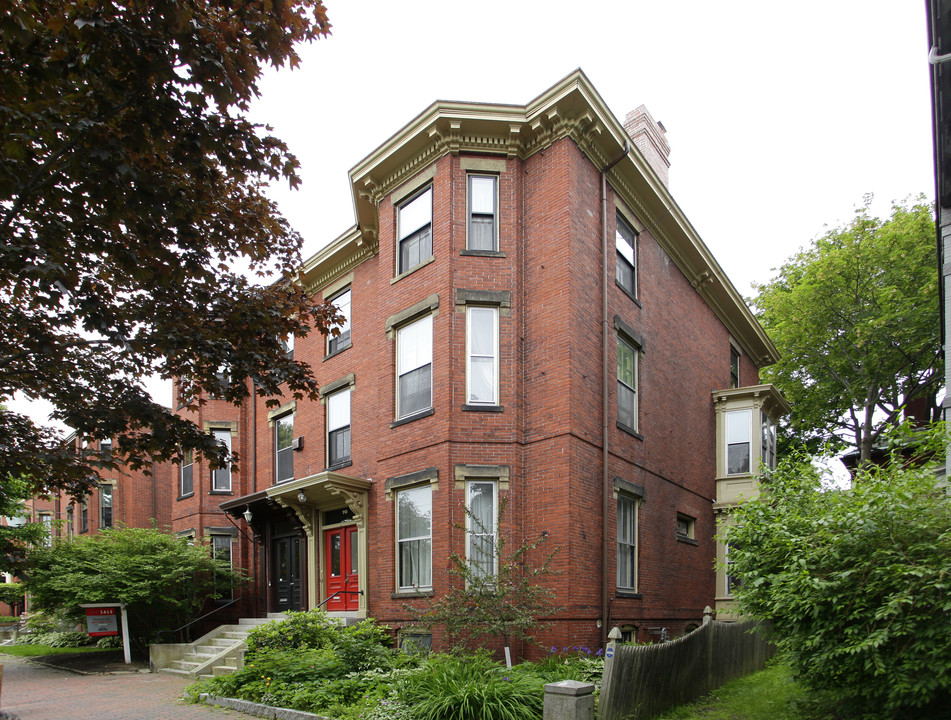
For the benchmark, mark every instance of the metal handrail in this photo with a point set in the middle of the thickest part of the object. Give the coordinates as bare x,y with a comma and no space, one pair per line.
339,592
159,634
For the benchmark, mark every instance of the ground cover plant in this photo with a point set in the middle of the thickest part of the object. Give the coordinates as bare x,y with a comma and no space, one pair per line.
35,650
311,663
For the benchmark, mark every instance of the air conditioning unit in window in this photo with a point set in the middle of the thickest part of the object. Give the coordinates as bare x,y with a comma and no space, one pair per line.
297,443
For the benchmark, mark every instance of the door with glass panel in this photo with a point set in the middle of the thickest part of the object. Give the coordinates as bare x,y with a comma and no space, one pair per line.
341,568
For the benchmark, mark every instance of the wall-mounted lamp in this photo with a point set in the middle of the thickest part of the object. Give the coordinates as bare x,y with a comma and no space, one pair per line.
247,514
301,497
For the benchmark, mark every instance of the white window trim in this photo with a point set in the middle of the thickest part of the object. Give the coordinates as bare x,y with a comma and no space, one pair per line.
225,435
188,461
634,425
634,544
494,356
632,243
400,372
495,210
278,449
331,398
349,341
402,235
748,441
472,530
399,540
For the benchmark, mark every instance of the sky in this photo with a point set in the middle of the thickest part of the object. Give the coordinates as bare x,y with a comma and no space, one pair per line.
781,117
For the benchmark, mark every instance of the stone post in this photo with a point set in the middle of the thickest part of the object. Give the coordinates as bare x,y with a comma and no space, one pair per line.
569,700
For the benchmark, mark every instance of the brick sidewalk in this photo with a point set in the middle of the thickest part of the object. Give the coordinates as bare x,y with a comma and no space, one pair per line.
35,692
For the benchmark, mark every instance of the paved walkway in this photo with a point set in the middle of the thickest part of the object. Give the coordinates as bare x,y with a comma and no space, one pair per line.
35,692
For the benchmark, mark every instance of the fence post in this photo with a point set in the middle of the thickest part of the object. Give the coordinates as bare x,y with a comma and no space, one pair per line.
569,700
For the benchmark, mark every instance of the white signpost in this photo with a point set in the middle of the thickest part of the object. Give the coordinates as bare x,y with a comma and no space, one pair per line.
102,621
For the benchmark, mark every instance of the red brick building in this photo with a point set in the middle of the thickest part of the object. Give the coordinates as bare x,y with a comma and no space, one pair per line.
531,319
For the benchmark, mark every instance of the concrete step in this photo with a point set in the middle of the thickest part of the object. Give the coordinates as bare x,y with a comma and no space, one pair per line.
223,669
175,671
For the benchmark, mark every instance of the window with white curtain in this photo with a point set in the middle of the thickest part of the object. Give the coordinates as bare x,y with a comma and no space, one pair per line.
626,542
414,367
481,525
483,212
415,230
482,357
414,523
338,428
221,478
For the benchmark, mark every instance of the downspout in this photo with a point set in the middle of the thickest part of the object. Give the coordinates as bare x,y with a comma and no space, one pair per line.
605,398
254,488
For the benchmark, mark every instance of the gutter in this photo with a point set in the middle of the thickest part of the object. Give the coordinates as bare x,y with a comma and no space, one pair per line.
605,396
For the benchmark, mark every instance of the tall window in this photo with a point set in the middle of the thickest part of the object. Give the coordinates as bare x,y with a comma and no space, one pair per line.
84,518
288,345
625,240
284,448
188,485
626,542
416,230
414,367
46,520
105,506
221,478
482,358
768,457
481,527
734,368
626,385
338,428
221,550
738,441
70,521
341,341
483,212
414,523
105,450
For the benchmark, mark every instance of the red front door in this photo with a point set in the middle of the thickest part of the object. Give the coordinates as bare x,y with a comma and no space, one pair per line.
342,568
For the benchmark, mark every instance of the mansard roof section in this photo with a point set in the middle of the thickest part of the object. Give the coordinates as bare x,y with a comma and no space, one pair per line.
571,108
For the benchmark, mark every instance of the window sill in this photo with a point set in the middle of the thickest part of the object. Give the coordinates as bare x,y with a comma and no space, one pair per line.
413,269
688,540
628,293
629,430
411,418
341,464
483,408
336,352
483,253
187,495
221,492
630,594
403,594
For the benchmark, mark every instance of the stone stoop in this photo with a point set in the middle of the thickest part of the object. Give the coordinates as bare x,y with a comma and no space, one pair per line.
220,652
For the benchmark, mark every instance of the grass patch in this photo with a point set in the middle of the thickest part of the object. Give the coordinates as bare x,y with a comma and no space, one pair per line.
37,650
771,694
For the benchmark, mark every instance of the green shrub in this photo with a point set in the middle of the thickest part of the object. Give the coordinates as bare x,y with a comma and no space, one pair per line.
311,629
110,641
856,584
55,639
471,687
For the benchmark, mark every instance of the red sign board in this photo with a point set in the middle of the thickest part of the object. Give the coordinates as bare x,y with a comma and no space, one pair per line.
102,621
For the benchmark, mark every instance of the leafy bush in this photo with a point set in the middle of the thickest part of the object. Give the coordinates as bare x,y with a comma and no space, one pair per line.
857,583
311,629
109,642
55,639
11,593
472,687
310,662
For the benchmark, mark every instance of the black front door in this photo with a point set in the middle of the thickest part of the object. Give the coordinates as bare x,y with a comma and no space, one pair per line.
286,580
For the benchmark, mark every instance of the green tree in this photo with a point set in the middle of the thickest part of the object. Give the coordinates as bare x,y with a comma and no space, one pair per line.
18,534
162,579
131,201
856,582
856,319
485,607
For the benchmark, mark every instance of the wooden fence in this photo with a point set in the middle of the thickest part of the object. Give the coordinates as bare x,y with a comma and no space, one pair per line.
642,681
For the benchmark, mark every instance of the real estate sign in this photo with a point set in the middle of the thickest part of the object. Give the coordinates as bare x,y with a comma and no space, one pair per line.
102,621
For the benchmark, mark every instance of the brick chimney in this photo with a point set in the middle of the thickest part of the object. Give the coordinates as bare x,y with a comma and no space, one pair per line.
649,137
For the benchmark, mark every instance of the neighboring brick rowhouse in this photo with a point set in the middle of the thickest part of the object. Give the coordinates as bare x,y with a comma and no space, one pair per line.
530,430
